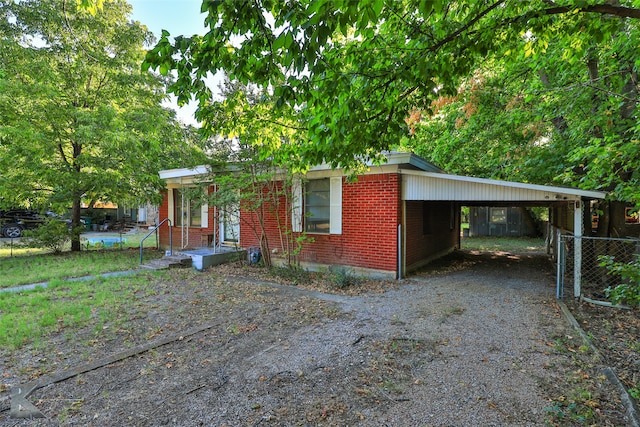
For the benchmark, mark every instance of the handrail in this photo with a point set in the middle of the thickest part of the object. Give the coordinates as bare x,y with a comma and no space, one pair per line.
155,230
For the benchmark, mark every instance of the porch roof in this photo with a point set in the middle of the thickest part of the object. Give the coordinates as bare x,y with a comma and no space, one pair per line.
184,172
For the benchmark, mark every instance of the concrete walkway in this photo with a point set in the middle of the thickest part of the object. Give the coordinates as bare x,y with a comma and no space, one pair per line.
32,286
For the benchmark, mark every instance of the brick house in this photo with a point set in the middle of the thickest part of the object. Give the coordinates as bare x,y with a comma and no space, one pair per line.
391,220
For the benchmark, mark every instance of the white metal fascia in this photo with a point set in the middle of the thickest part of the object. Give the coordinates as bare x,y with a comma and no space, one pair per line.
393,160
184,172
417,189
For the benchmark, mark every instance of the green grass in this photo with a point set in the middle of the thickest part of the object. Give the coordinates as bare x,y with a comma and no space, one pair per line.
18,248
507,244
28,317
40,267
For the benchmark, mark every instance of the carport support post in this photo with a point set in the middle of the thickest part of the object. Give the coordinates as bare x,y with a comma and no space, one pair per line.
577,259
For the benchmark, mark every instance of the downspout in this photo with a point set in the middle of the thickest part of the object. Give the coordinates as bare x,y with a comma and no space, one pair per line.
399,251
402,241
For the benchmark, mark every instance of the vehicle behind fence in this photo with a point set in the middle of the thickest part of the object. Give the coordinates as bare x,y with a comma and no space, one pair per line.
593,278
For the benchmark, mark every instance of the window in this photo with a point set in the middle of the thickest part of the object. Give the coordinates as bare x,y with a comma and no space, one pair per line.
188,212
631,215
318,206
498,216
319,209
195,214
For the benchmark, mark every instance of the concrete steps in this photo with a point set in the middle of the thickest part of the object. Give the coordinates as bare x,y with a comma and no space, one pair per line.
169,261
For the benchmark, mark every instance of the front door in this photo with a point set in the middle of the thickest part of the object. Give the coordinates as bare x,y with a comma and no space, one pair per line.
230,225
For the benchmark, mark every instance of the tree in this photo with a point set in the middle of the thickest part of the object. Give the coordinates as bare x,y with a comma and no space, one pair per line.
560,111
244,142
354,71
78,120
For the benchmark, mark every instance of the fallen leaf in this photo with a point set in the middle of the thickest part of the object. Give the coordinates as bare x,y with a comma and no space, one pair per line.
592,403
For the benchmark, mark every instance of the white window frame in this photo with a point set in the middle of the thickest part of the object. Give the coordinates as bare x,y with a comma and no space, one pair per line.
175,204
335,207
492,216
224,215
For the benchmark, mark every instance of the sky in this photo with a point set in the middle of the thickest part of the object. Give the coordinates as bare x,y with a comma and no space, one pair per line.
178,17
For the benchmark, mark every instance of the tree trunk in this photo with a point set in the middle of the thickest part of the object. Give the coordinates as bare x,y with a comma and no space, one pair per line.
612,219
266,251
617,226
559,122
75,224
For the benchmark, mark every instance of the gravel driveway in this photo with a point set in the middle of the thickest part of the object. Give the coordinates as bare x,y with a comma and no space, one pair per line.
483,344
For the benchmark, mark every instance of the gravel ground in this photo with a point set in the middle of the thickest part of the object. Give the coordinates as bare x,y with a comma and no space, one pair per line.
479,342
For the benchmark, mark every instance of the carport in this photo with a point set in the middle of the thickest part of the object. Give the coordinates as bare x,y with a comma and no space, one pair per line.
446,194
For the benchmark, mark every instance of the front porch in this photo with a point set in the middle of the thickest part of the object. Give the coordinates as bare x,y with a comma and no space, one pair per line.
205,257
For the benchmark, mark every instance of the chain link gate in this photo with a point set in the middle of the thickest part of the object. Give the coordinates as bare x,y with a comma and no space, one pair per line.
594,279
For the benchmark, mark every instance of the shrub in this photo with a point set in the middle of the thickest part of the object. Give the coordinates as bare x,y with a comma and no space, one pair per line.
291,274
52,234
341,278
628,292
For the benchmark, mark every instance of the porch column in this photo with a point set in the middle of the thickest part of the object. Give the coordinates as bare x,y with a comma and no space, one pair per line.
577,259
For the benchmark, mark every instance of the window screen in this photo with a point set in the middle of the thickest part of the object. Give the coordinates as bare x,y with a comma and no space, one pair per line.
317,206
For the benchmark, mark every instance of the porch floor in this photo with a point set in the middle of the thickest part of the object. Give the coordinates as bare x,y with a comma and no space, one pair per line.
209,256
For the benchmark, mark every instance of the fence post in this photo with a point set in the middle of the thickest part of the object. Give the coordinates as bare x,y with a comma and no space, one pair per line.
559,266
577,249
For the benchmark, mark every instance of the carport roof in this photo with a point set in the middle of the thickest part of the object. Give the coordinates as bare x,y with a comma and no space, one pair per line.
421,185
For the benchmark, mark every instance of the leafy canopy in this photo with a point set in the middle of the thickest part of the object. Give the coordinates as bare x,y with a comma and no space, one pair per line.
78,120
78,117
559,107
353,71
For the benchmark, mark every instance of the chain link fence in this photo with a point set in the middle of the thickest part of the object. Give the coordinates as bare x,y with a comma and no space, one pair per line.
593,278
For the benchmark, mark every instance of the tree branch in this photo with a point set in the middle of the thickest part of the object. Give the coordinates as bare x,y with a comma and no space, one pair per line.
465,27
602,9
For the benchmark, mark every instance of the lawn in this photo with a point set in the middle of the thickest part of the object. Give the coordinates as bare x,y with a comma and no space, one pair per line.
21,266
28,317
506,244
202,340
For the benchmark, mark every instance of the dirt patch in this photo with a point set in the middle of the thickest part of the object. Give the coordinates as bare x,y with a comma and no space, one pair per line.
616,333
476,340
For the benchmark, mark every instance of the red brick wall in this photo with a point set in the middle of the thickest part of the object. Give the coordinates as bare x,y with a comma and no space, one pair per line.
250,228
439,235
370,217
371,212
